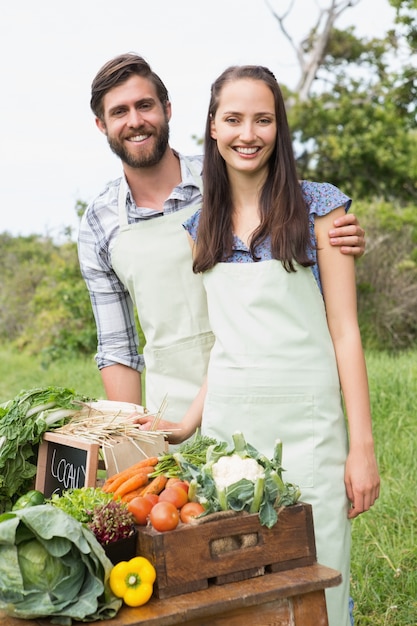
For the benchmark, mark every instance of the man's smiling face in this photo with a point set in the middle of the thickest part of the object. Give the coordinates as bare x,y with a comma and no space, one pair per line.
135,122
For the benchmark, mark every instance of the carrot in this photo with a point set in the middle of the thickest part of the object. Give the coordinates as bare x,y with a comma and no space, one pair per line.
107,485
132,494
134,482
152,460
155,486
120,480
128,471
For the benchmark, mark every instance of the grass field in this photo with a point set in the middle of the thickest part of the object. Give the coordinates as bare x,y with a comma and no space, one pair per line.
19,371
384,556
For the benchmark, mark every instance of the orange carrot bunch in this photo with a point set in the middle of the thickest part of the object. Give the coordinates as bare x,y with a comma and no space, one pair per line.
135,481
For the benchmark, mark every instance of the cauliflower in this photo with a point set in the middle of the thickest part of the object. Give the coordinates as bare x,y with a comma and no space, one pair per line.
230,469
240,479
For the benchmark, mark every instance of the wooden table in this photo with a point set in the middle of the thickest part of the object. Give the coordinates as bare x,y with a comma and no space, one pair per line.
292,597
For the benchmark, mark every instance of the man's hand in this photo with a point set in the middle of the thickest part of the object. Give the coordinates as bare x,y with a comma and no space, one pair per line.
349,235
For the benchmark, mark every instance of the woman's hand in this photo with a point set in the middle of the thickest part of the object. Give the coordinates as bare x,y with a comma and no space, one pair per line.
175,432
361,479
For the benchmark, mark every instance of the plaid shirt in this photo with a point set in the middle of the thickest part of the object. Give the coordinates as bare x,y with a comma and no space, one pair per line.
112,305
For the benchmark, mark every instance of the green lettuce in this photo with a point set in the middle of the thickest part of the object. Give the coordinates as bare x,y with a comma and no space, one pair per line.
23,421
52,566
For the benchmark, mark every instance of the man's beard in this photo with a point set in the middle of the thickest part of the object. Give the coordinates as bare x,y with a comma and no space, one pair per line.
143,160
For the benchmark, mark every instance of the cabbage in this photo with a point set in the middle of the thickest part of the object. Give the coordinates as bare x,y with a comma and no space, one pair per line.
52,566
40,570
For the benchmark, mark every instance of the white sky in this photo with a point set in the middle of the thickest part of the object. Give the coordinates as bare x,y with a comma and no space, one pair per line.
51,153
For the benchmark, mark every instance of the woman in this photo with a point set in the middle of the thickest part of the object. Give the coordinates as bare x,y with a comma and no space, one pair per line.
282,307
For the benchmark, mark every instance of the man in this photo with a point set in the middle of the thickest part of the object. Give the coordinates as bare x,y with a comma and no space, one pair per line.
134,253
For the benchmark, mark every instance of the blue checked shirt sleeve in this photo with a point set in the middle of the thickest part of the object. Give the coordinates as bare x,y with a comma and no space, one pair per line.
117,339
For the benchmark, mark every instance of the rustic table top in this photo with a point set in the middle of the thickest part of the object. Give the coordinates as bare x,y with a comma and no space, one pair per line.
216,599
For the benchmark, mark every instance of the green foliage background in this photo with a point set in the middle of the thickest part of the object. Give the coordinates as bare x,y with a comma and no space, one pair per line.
45,309
44,305
387,276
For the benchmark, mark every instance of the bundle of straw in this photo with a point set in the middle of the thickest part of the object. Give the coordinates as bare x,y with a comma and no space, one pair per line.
106,422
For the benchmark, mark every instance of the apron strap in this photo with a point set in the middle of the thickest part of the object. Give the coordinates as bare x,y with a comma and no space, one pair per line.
122,202
123,189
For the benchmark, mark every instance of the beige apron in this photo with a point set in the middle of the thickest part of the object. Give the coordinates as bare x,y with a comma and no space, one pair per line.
272,374
153,260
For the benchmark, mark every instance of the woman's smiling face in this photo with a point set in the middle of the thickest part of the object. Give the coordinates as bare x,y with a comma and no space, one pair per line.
245,125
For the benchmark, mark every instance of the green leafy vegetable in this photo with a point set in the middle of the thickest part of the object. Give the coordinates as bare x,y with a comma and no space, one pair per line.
52,566
193,451
40,570
23,421
240,479
109,520
81,502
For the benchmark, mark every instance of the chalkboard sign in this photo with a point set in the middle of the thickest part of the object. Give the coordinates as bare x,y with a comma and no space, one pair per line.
65,463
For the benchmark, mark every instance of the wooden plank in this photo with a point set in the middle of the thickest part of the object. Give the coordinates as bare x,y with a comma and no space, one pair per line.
277,613
297,587
308,607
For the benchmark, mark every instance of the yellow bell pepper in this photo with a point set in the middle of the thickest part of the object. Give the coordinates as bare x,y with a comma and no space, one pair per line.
133,580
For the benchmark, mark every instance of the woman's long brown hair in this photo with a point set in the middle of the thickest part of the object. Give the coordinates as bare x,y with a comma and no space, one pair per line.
282,207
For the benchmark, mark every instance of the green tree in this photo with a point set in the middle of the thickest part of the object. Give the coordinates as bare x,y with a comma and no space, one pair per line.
387,276
407,18
62,319
359,135
25,260
353,111
44,305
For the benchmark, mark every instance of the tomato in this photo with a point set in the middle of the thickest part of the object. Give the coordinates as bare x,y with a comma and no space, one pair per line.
140,508
152,497
174,494
183,484
172,481
164,516
190,511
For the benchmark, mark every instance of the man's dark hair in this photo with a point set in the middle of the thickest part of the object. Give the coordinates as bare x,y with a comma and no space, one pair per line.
116,72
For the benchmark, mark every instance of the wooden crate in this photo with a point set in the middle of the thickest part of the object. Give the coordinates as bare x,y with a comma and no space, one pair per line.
225,550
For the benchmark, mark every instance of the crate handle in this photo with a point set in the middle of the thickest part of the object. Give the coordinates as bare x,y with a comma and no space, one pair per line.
225,545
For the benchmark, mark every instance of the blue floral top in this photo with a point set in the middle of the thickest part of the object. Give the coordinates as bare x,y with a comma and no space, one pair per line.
321,198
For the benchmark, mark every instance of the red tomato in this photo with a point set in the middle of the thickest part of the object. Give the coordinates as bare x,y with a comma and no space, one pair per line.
164,516
183,484
172,481
140,508
152,497
190,511
174,494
